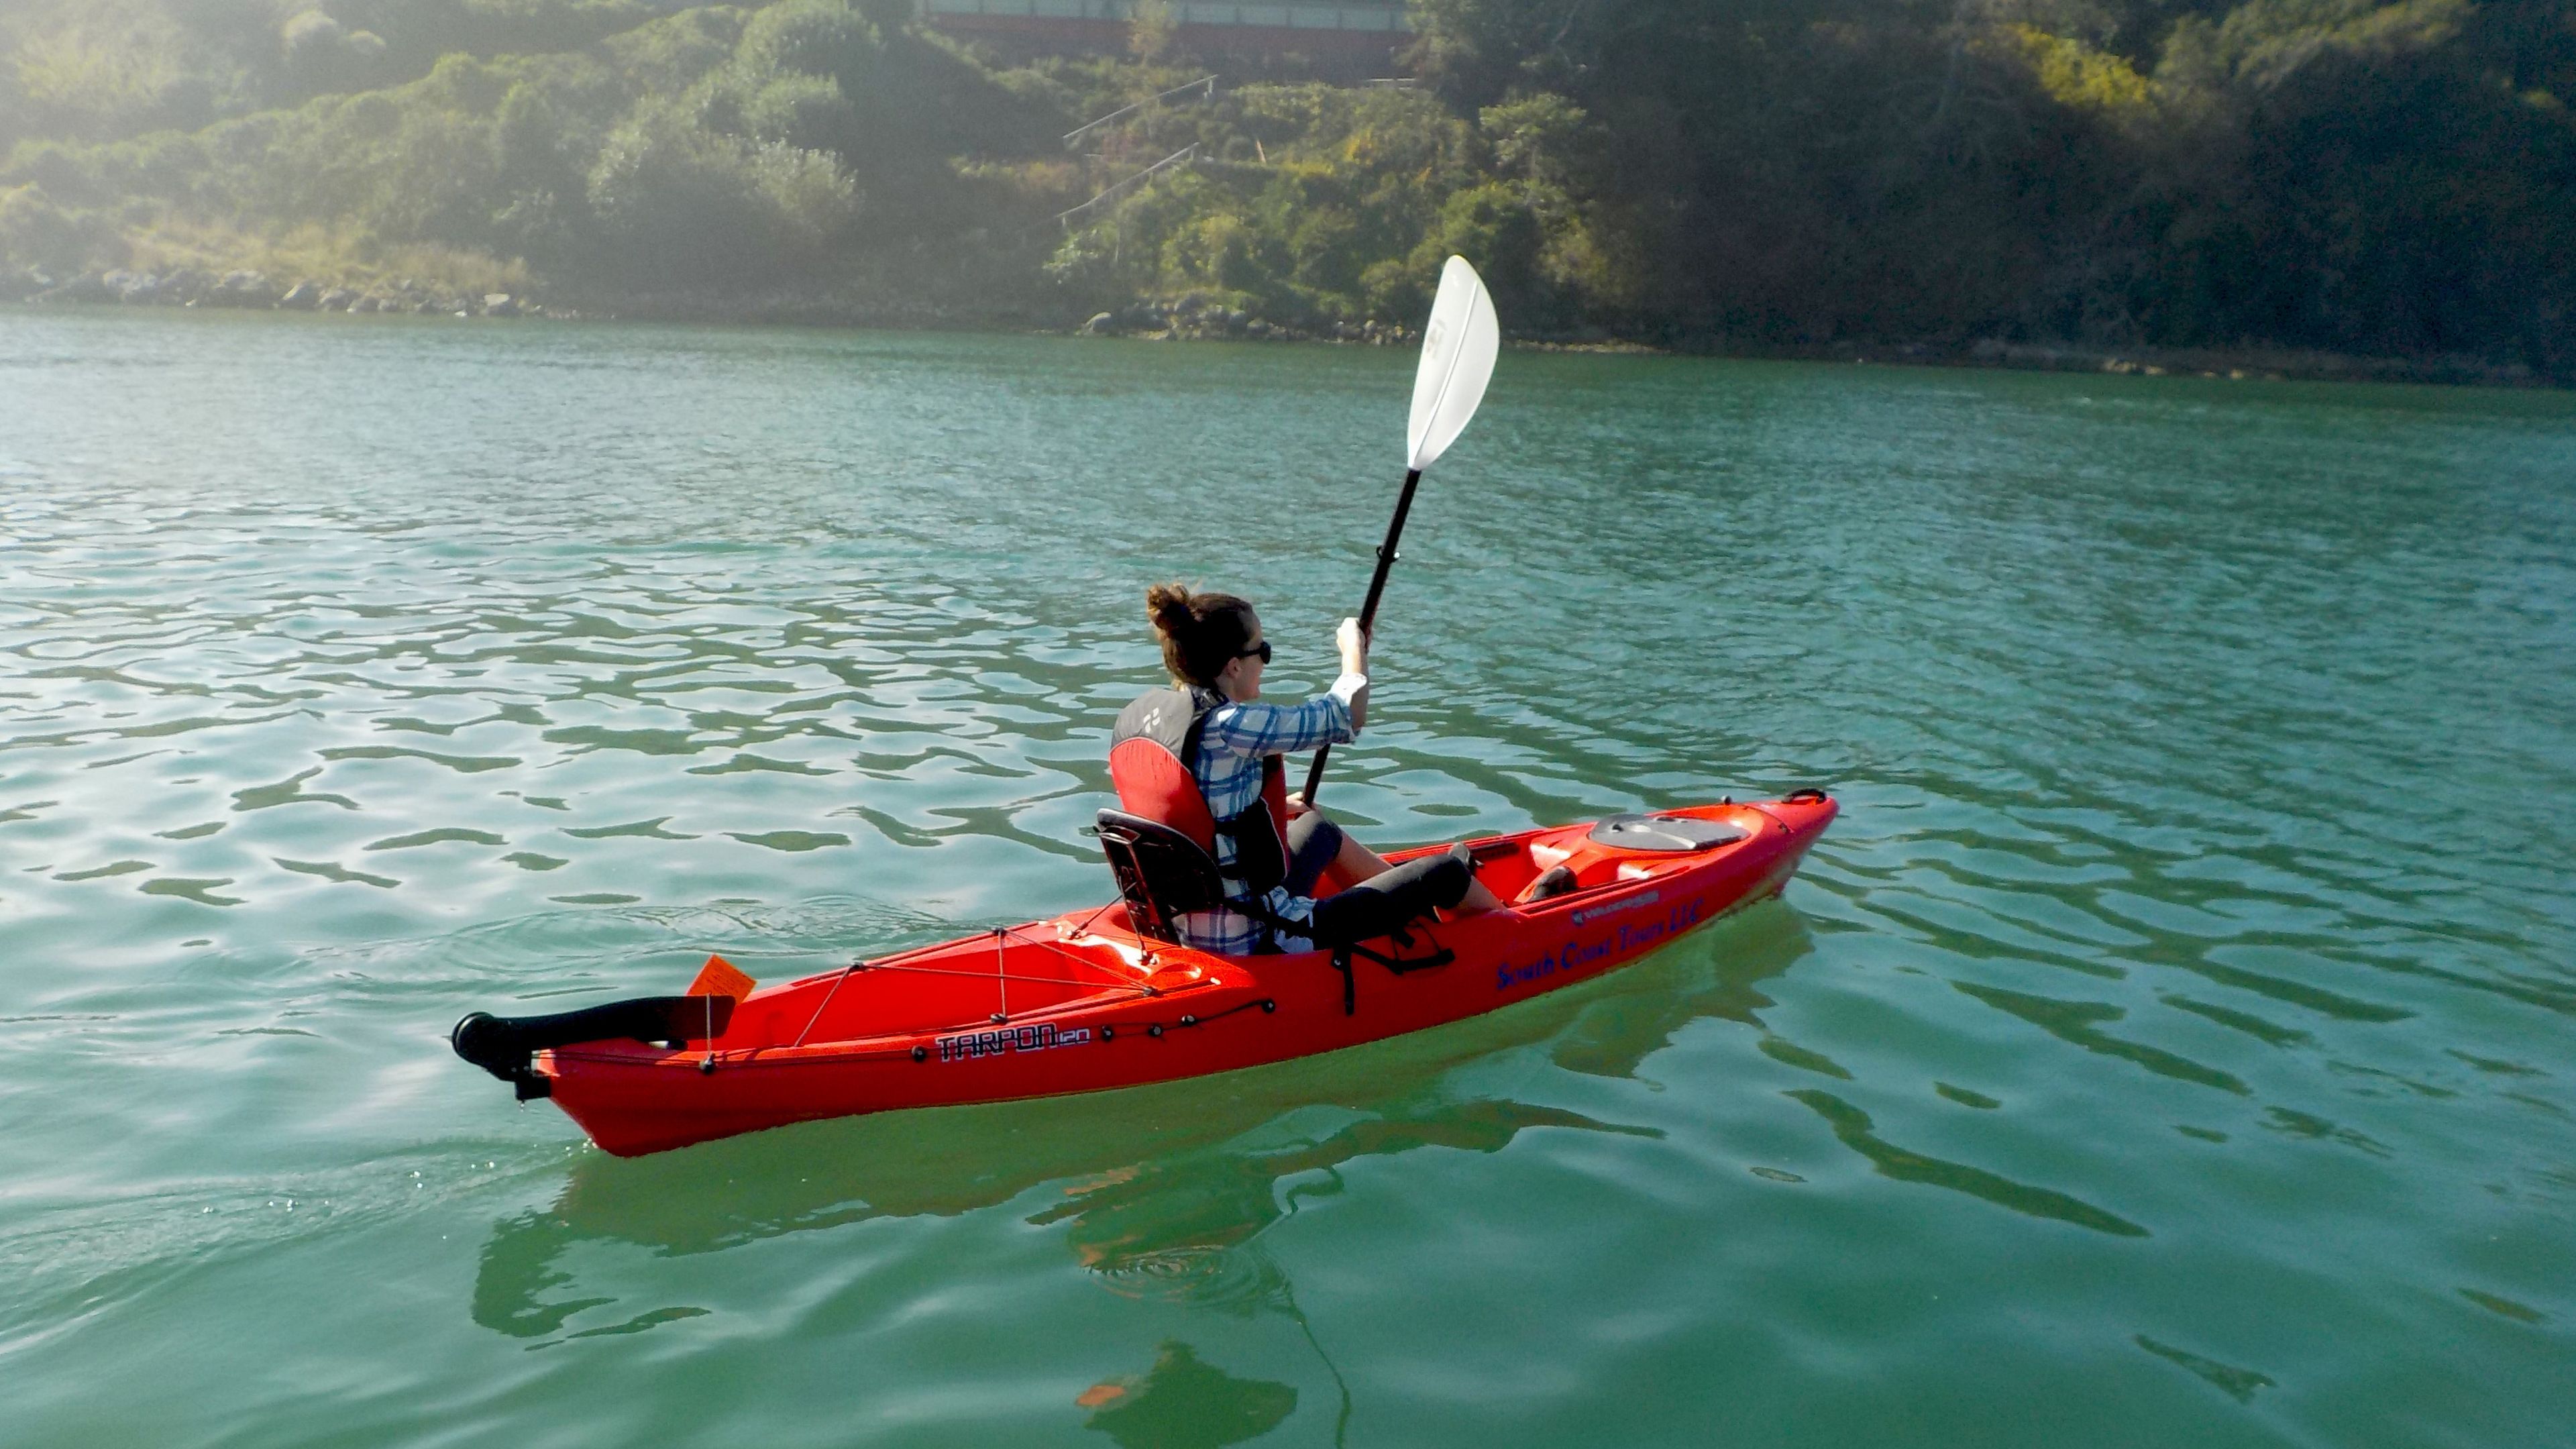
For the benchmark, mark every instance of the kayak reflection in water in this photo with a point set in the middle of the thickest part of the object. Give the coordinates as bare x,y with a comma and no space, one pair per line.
1204,758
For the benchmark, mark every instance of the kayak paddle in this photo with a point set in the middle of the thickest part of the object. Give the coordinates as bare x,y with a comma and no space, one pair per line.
1458,349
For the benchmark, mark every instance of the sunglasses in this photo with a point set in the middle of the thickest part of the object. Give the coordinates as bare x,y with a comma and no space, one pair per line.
1262,649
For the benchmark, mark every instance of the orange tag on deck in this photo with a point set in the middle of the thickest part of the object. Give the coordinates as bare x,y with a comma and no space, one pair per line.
721,979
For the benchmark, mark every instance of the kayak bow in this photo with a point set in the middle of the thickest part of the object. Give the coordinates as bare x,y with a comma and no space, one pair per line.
1082,1003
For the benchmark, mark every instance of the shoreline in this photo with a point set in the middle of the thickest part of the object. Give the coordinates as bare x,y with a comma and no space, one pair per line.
1196,318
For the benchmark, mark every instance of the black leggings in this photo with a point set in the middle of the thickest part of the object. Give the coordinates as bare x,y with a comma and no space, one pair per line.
1377,906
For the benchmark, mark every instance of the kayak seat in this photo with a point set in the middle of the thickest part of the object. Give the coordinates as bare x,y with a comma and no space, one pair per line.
1162,874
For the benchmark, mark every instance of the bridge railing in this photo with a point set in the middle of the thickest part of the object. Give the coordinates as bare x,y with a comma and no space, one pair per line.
1295,15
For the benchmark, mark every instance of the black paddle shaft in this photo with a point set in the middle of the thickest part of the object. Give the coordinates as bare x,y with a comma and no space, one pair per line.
1386,557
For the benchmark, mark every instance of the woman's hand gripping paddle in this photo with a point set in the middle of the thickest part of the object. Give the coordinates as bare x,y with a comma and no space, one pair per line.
1458,350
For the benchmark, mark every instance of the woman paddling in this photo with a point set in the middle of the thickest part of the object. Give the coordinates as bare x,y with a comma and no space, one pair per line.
1204,757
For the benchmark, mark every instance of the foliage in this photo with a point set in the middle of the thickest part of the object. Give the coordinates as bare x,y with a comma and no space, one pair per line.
46,236
714,149
2338,174
2319,173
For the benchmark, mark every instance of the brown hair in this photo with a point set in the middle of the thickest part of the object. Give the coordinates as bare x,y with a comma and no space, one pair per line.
1201,633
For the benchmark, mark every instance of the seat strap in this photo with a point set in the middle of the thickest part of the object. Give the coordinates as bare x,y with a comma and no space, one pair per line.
1273,925
1396,966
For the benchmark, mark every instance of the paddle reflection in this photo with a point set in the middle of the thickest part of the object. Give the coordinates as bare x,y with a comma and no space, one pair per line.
1163,1184
1168,1228
1183,1402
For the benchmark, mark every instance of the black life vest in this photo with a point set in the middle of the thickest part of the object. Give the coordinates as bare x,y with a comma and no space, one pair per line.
1152,755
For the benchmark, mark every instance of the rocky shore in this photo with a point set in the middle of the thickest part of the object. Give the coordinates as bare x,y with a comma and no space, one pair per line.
1196,317
1199,317
2269,363
191,287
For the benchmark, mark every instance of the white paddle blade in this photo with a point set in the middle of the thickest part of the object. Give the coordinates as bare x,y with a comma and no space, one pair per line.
1458,350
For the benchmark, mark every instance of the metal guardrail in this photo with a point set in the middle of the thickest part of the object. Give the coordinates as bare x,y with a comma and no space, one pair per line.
1182,157
1205,84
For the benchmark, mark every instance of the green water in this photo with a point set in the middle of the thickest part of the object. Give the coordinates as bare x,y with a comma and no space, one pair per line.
2169,1044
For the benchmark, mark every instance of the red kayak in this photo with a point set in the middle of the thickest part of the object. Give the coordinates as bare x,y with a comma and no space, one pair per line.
1087,1002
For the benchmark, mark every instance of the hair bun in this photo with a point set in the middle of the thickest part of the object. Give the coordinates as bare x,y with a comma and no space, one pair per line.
1168,605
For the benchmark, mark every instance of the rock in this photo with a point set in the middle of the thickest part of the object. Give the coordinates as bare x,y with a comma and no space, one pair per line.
302,297
241,289
499,304
1101,325
87,287
134,289
338,299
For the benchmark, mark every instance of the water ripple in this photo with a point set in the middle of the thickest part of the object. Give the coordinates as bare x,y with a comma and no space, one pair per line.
2204,749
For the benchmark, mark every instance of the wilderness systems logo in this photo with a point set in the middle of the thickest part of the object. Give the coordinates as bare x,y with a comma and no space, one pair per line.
973,1044
1633,903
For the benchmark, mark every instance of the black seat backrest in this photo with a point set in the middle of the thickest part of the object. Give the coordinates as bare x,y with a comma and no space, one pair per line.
1162,873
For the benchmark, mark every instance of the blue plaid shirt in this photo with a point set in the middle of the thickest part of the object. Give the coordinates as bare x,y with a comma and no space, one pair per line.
1232,745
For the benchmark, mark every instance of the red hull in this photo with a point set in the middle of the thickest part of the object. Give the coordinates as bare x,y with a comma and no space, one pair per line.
1080,1004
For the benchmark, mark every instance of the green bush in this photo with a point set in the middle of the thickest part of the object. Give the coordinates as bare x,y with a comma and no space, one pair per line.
34,232
801,110
678,205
